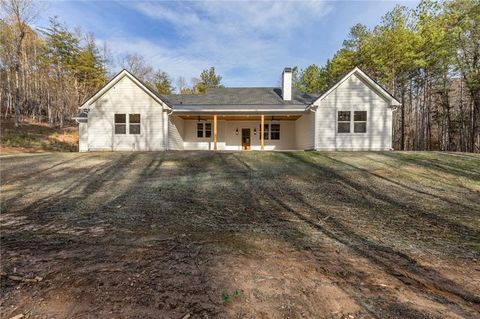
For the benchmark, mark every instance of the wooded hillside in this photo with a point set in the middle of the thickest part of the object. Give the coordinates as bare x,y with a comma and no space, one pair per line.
428,58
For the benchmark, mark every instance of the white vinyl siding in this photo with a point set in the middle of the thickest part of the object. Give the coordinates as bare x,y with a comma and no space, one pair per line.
353,95
305,131
175,133
126,97
83,137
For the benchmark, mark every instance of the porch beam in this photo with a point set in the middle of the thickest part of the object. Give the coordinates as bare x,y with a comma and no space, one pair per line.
215,132
262,142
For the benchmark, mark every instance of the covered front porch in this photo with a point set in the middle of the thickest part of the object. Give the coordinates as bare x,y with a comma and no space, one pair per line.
235,132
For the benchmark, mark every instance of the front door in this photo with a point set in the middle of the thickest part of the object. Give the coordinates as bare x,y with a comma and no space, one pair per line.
245,139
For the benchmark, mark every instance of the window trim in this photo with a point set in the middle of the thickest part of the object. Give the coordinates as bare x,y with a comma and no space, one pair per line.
204,130
272,131
267,131
139,124
366,122
209,130
200,129
126,124
349,122
352,122
115,124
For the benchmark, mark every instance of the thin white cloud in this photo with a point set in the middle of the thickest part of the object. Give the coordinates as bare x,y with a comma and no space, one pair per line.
230,35
157,56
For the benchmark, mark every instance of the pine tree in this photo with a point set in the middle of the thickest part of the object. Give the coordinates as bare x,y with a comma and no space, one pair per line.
162,82
208,79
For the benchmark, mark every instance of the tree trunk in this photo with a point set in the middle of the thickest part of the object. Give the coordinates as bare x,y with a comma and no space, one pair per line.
476,124
402,123
17,96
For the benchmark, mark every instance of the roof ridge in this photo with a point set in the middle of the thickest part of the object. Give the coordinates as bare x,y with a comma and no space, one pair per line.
244,87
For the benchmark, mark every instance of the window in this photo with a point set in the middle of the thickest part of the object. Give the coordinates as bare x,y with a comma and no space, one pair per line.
120,124
199,130
265,131
271,131
275,131
204,130
208,129
134,123
343,122
360,122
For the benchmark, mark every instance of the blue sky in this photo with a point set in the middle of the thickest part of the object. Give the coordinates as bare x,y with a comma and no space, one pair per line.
249,43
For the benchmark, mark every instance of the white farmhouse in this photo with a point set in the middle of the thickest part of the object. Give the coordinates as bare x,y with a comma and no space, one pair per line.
126,115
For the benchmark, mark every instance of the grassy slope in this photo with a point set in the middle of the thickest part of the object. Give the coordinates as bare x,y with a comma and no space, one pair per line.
37,137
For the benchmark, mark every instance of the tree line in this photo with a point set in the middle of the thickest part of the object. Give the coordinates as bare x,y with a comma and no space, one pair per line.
163,83
429,59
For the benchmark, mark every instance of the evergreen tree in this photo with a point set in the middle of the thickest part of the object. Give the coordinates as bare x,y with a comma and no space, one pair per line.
313,79
162,82
208,79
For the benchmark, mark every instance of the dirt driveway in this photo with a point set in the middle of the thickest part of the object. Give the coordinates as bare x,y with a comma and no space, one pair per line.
240,235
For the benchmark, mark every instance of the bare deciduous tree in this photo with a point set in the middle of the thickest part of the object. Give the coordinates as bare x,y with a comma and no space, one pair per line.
22,12
136,64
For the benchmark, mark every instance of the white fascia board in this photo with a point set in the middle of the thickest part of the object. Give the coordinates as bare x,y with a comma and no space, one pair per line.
114,81
392,101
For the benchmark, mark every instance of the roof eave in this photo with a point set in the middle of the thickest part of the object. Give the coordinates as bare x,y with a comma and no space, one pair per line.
160,99
388,97
239,111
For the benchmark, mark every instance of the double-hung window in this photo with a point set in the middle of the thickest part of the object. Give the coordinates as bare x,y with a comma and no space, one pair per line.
271,131
120,121
208,129
345,123
204,130
266,131
360,122
275,131
120,124
199,130
134,123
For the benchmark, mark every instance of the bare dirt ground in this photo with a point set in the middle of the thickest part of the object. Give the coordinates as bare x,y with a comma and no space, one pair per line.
240,235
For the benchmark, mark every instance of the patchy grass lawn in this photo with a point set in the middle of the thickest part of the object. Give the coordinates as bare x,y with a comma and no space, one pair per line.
241,235
35,137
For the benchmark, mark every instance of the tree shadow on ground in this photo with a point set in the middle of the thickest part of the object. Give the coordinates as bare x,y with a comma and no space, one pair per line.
439,164
426,281
410,209
153,244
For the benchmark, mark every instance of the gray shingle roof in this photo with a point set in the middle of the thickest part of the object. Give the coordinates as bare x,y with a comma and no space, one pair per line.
245,98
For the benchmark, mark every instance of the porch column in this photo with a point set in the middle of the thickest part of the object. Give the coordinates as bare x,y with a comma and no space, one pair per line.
215,132
262,142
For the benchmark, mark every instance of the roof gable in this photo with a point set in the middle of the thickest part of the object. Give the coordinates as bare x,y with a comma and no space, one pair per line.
371,83
117,78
